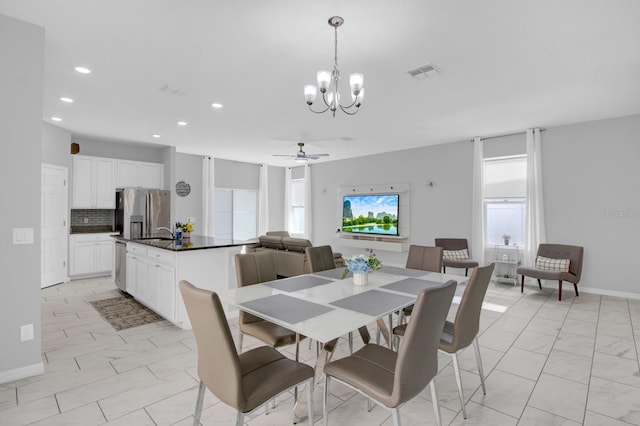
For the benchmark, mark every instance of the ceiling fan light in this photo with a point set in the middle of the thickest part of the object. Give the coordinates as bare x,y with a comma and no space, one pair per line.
301,160
324,80
356,81
310,93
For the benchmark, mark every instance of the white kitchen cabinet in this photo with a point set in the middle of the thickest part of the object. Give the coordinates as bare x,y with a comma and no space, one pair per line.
93,185
90,254
151,278
139,174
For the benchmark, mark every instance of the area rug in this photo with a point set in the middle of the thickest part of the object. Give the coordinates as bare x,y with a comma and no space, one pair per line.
124,312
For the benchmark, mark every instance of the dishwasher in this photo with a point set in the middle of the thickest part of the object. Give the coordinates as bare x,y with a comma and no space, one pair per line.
121,266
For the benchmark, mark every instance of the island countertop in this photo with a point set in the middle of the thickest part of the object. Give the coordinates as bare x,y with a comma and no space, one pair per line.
195,242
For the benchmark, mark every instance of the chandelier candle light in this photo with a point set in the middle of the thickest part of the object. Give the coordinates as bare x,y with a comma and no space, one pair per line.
330,95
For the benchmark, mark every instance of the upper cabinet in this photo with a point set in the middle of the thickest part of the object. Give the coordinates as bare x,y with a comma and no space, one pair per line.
139,174
93,182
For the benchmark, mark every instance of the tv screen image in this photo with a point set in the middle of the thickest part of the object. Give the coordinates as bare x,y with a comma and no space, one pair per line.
370,214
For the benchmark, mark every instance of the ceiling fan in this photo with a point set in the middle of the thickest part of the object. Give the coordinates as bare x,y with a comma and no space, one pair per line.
301,156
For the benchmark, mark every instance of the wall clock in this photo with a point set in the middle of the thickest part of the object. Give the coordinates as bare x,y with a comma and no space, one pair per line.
183,188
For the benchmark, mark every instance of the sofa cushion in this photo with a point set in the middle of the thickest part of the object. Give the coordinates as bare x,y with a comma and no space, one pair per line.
271,241
551,264
455,254
296,244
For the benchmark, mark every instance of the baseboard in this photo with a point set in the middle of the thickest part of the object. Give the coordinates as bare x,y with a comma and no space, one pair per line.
603,292
21,373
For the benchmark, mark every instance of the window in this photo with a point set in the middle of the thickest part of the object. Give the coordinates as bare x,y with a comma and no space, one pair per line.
297,207
505,188
236,215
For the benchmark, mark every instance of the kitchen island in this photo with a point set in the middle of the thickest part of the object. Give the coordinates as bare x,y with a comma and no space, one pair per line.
155,266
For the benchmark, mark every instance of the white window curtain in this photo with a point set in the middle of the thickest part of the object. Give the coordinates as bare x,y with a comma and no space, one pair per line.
263,200
287,199
208,213
477,208
308,223
535,232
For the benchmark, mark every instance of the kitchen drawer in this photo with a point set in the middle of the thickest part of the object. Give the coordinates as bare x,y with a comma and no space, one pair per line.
137,249
88,238
160,255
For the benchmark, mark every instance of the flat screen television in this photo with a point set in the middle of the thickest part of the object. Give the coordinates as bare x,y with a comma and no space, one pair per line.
370,214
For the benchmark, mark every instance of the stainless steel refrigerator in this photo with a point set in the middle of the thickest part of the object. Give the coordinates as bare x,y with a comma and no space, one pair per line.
139,212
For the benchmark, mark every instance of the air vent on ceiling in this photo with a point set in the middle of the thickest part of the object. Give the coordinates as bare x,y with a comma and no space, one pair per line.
428,70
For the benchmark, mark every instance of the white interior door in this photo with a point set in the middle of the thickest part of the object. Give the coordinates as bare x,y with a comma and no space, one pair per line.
54,224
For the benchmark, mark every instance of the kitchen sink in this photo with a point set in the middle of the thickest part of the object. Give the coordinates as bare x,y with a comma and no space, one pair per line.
155,239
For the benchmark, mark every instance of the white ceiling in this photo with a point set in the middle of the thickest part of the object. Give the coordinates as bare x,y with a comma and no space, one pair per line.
507,65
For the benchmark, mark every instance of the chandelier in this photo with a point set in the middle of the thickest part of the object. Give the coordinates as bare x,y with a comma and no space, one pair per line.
330,95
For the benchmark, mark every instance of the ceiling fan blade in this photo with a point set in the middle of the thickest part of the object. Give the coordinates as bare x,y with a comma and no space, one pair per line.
317,155
284,155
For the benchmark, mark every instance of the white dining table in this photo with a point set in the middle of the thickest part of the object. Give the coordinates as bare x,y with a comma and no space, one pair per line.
323,306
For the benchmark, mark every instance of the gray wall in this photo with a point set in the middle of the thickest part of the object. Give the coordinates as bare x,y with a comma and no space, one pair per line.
441,210
56,146
591,184
236,175
592,197
189,169
21,81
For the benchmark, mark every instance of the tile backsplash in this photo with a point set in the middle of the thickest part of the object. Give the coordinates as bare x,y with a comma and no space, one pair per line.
94,217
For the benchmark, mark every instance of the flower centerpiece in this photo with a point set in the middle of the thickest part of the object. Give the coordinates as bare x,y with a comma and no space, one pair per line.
360,265
506,238
184,230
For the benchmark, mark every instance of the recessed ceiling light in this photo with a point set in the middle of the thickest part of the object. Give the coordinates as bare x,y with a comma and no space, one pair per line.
83,70
182,123
155,135
67,100
56,118
216,105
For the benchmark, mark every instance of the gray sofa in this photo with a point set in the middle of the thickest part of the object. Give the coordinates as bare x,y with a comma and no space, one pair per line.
289,253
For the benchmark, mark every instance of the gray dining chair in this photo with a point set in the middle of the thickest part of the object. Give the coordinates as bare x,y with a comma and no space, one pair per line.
255,268
320,259
392,378
423,258
463,331
246,381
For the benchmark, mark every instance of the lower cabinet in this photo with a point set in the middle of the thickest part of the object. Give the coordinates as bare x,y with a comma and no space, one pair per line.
90,254
151,279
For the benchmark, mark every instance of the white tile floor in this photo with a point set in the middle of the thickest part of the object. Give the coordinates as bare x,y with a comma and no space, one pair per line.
547,362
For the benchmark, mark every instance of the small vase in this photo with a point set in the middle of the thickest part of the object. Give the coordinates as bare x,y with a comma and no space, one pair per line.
186,234
506,242
360,278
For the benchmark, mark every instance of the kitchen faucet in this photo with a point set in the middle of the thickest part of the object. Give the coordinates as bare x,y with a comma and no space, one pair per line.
164,228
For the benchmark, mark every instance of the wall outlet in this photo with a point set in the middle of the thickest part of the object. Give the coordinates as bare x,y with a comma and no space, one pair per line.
26,332
191,219
86,220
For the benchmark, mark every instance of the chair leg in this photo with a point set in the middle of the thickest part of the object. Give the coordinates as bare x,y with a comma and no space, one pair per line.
539,284
240,342
466,271
350,342
310,400
575,287
444,269
559,290
395,414
199,400
369,405
436,405
456,369
476,346
240,419
522,285
325,412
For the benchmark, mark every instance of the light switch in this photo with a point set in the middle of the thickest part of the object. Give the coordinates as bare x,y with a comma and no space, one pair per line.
22,236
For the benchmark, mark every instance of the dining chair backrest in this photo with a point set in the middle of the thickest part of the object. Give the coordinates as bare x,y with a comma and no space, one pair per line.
467,320
425,258
320,258
218,362
254,268
419,351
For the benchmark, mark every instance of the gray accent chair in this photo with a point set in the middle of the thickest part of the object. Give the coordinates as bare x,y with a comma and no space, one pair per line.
463,331
556,251
246,381
389,378
456,244
255,268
